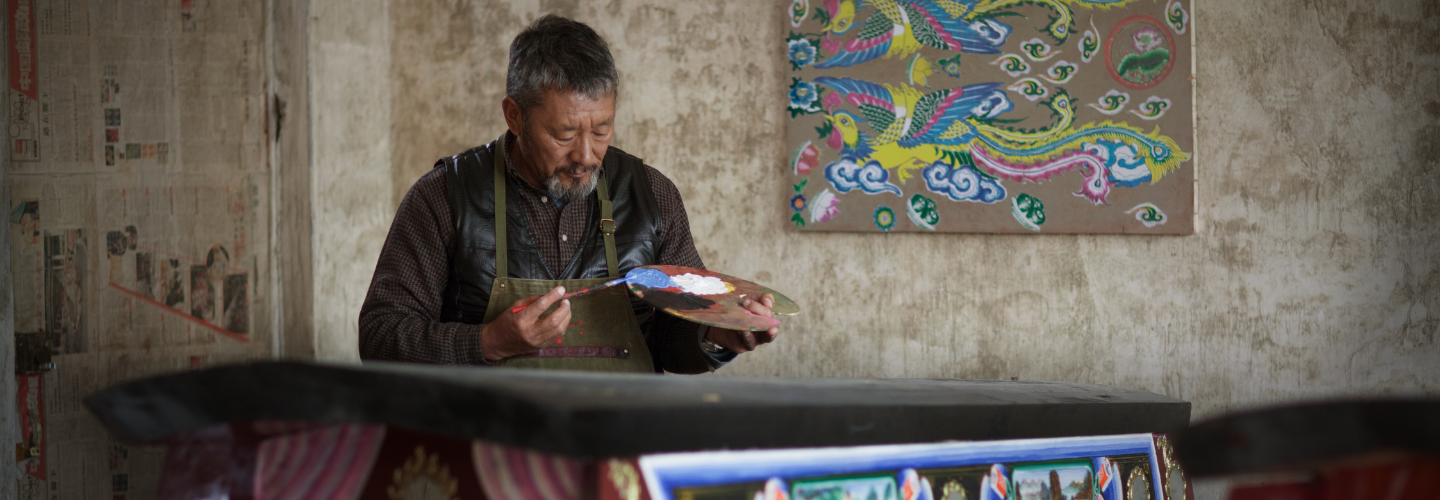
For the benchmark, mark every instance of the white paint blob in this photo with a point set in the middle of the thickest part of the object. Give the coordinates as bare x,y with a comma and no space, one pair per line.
700,285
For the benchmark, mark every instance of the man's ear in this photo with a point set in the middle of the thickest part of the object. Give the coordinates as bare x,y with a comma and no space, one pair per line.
514,116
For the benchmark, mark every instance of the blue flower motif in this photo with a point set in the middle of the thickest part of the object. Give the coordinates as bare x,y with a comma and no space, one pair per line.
803,95
801,52
884,218
798,202
951,66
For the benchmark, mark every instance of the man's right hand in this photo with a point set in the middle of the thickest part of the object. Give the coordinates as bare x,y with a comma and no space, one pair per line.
524,332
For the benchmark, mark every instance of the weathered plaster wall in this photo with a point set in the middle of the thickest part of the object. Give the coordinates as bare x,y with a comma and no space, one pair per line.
350,178
1313,271
289,51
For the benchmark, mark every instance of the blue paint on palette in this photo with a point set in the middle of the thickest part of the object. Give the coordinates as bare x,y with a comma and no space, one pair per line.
648,278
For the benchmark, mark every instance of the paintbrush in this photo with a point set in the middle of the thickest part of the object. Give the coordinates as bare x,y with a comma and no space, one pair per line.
577,293
642,276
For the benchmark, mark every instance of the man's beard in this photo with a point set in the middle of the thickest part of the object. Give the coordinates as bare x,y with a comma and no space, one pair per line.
576,191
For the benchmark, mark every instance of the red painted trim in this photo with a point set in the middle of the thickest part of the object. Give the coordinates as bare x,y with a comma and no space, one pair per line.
1110,40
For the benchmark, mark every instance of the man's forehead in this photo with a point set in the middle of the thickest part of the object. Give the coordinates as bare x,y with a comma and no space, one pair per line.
570,105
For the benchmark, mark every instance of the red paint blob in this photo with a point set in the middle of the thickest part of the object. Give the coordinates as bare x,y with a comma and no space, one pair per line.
559,341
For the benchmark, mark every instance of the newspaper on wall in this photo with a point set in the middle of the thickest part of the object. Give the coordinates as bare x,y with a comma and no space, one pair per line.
140,217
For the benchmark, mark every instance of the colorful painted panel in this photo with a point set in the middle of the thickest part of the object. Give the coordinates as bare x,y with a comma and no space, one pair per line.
1128,467
1014,116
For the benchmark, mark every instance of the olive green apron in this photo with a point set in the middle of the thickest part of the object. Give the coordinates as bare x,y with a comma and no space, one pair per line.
603,334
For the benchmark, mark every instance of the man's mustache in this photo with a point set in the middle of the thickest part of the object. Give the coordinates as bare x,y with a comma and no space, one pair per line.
576,169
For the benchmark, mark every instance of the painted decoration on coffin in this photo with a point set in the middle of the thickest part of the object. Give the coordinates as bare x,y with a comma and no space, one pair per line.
869,487
878,99
1078,468
1107,479
1041,482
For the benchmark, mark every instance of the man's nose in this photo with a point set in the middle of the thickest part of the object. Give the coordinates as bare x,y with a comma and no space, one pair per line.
584,151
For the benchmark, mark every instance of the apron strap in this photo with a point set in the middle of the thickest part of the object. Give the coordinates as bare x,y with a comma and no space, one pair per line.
502,247
607,227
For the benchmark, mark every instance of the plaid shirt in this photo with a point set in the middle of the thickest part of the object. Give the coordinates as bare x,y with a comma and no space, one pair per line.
400,320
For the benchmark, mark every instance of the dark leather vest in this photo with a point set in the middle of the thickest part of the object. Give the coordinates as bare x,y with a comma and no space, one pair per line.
470,182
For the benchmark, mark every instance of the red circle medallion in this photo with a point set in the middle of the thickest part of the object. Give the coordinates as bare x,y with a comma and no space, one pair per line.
1146,56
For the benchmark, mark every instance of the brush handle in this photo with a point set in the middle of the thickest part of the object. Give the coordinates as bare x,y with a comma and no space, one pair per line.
577,293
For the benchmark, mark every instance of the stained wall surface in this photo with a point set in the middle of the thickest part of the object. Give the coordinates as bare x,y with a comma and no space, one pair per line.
350,180
1313,271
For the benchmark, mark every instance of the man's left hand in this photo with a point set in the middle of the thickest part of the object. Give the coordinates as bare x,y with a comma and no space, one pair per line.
744,340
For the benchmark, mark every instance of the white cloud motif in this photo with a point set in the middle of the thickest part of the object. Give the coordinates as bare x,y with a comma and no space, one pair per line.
1112,103
993,105
991,30
870,178
962,184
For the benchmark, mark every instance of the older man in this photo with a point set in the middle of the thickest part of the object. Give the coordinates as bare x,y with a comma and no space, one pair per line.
546,207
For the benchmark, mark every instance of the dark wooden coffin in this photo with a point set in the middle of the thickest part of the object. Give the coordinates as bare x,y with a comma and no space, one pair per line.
600,415
1308,436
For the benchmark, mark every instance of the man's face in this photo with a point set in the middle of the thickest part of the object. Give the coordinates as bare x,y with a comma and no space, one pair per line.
562,141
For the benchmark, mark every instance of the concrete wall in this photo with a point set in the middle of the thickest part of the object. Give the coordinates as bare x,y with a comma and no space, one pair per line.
289,50
1313,271
350,97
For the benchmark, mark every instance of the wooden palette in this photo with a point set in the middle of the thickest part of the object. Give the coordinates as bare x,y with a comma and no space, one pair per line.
708,297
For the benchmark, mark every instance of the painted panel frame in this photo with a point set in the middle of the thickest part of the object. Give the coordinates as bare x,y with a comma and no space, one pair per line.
914,469
1000,116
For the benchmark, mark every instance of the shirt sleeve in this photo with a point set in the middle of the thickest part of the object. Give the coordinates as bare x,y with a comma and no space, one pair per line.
674,342
400,320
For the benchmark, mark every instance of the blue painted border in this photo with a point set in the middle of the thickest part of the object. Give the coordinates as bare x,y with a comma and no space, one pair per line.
665,472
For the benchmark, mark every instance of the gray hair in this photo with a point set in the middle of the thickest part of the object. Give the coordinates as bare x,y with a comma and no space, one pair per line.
556,53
